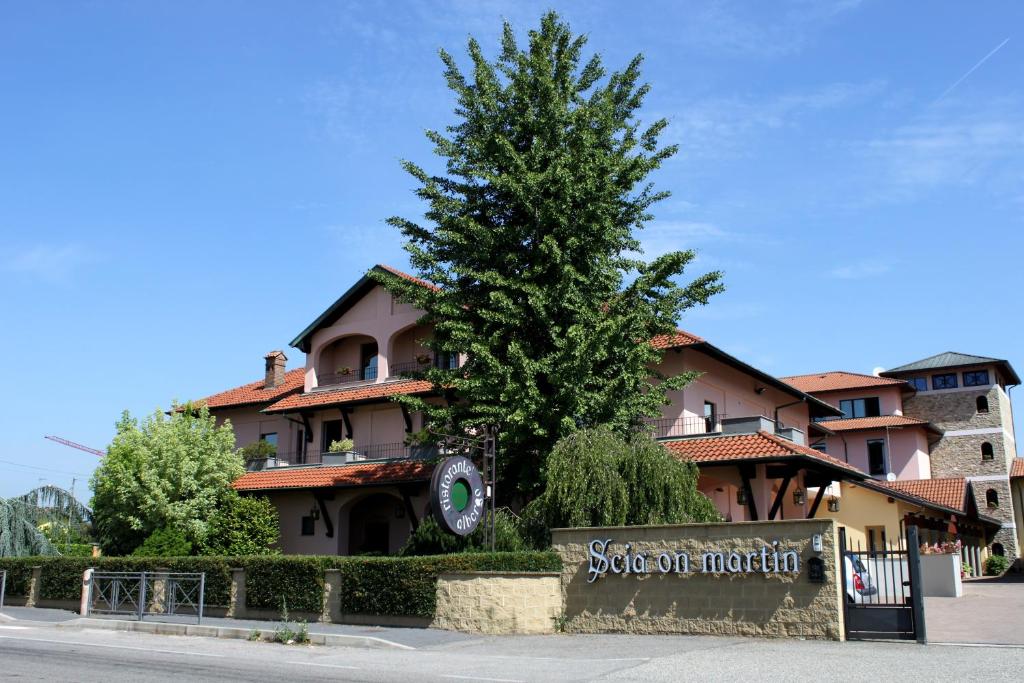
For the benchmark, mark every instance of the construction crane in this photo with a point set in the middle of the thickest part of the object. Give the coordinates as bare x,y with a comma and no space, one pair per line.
72,444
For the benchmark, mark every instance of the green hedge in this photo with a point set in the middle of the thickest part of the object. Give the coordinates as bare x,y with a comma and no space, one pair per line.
406,586
396,586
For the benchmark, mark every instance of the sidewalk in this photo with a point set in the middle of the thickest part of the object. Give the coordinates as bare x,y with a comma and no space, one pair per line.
991,611
212,627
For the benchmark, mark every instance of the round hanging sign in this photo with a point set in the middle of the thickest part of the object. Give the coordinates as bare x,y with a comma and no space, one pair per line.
457,495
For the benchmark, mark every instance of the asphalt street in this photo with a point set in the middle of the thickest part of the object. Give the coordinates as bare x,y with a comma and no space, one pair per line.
44,652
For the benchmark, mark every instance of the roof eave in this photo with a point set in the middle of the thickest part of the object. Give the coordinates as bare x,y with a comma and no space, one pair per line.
355,292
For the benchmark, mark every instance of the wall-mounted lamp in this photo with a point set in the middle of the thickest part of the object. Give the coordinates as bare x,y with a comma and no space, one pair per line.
741,496
833,504
759,390
799,497
314,512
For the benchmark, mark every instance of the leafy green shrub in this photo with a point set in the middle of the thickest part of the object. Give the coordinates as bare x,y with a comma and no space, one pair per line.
278,582
406,586
75,549
19,573
430,539
341,446
243,526
258,450
996,565
166,542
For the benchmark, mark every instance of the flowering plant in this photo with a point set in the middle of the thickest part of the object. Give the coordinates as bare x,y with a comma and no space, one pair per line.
944,548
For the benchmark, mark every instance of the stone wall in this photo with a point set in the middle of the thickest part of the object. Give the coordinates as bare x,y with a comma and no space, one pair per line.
956,409
752,604
498,602
960,456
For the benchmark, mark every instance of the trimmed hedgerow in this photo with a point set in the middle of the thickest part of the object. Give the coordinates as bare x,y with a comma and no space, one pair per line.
19,573
274,582
392,586
406,586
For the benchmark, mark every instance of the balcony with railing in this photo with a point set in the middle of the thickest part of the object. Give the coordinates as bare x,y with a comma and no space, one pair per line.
359,453
346,375
675,427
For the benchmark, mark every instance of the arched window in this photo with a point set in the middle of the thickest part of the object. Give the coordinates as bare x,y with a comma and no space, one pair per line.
986,451
992,498
997,549
982,403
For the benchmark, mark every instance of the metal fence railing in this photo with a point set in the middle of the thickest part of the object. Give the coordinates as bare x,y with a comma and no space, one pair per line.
685,426
359,452
142,594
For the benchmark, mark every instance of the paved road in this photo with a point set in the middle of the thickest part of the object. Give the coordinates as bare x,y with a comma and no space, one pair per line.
43,652
990,611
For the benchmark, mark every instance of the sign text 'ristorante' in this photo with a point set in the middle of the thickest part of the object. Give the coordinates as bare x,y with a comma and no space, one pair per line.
765,560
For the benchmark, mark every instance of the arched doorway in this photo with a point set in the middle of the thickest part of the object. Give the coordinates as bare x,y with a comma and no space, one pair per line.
377,525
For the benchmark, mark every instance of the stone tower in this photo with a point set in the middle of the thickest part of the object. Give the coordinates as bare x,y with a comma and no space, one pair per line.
966,397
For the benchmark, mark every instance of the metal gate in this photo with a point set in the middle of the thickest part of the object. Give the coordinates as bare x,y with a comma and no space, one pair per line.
140,594
881,590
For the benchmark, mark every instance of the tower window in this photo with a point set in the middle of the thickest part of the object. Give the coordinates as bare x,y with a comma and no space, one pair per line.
919,383
992,498
986,451
982,403
944,381
976,378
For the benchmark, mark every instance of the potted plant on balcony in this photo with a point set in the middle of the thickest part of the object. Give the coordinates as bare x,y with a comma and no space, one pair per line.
259,455
423,359
340,452
344,370
422,444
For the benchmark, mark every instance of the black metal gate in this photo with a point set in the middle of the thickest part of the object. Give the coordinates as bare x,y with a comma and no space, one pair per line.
881,589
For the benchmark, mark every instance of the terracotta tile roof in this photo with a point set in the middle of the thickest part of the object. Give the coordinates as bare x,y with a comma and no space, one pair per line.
253,393
759,446
410,278
671,341
950,493
356,474
879,422
838,380
364,392
1017,468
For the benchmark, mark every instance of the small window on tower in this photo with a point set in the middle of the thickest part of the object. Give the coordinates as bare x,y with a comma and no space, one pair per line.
982,402
986,451
992,498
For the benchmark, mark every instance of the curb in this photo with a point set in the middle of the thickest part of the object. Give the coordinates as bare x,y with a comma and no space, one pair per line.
230,632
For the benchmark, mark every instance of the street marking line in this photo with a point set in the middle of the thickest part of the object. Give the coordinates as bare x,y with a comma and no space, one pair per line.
1005,646
114,647
483,678
330,666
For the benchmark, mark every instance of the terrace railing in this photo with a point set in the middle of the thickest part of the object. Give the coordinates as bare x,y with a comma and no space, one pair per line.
346,376
667,428
359,453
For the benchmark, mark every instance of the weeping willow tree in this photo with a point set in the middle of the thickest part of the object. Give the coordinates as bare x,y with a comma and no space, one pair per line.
22,519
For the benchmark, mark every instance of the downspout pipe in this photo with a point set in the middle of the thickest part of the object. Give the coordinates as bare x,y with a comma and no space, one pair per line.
786,405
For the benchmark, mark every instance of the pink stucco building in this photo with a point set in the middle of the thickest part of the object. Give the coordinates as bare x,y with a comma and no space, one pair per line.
746,430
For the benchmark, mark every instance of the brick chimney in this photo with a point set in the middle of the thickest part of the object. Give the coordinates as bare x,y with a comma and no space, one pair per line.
275,362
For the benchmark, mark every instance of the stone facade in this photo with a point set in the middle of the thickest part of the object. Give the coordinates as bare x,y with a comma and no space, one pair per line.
960,456
751,604
498,603
958,409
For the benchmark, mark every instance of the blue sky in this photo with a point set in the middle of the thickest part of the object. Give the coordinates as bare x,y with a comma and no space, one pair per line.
184,186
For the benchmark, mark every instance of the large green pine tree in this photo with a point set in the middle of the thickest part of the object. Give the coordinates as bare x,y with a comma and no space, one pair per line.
529,239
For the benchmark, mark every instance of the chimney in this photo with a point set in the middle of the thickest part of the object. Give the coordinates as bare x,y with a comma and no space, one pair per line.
275,362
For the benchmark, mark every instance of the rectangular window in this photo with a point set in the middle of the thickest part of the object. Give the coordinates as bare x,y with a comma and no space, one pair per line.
270,437
710,417
976,378
860,407
308,526
876,458
918,383
946,381
331,432
446,361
